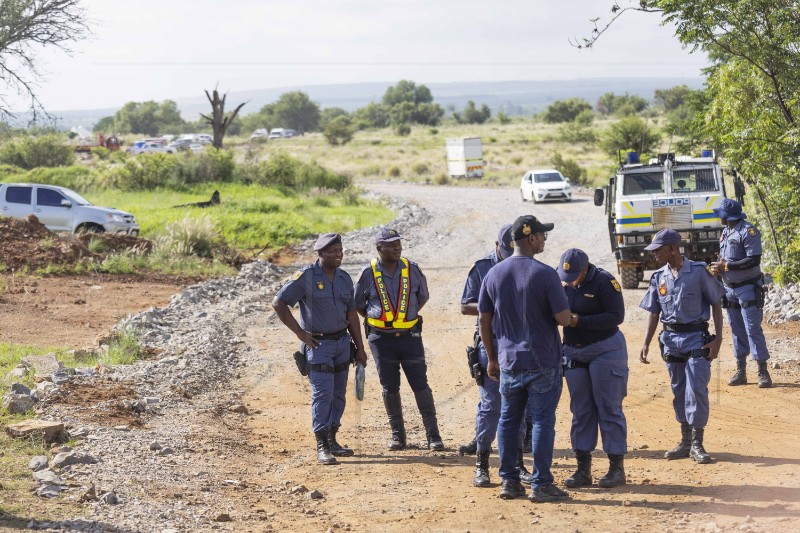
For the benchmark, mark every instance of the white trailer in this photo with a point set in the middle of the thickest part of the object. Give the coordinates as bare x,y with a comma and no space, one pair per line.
465,157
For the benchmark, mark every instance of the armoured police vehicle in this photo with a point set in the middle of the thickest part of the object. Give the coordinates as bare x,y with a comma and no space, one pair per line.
666,192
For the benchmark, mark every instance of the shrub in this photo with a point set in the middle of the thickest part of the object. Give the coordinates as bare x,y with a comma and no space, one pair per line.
433,131
211,164
189,236
441,179
516,160
570,169
339,131
124,350
351,196
394,171
372,170
630,133
402,129
33,152
78,178
145,171
420,168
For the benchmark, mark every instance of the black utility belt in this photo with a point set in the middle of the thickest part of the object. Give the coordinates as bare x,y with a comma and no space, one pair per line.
735,285
569,364
682,358
686,328
328,369
330,336
412,332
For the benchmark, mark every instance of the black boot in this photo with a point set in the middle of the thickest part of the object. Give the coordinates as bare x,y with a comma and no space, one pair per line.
511,489
616,472
764,379
427,410
524,476
324,455
699,453
468,449
481,478
740,377
394,410
527,442
681,451
583,475
337,449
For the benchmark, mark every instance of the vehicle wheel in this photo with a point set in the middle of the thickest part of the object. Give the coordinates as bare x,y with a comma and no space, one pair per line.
522,195
630,278
89,227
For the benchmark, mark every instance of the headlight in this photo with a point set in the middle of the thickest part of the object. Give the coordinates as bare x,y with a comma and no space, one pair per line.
115,218
568,187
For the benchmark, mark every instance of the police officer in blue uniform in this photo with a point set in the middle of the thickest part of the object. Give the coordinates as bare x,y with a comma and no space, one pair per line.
328,322
488,412
389,294
595,367
739,266
684,294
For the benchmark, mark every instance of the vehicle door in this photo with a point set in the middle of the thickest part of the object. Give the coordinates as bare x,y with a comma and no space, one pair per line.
17,201
53,209
527,182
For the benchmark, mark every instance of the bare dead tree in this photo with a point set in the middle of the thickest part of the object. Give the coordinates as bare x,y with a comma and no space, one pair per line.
25,26
218,120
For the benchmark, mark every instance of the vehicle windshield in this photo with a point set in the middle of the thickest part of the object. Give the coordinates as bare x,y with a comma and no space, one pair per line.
694,180
76,198
643,183
547,178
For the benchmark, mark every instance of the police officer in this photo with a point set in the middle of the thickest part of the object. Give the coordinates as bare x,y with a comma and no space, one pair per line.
684,294
488,412
328,320
595,367
390,293
521,303
739,266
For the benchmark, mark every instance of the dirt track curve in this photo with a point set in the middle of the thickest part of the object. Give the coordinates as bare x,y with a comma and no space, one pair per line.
752,485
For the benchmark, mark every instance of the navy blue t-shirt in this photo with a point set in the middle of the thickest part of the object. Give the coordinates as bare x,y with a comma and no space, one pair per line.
524,295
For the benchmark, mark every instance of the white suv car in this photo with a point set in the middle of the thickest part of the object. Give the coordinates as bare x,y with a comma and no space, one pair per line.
62,209
547,184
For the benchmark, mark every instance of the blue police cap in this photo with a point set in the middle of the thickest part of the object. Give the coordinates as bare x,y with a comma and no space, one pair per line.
505,241
730,210
386,235
571,264
664,237
326,239
527,224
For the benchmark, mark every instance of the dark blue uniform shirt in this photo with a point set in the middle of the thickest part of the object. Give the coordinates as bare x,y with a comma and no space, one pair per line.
599,305
524,295
472,287
324,304
736,243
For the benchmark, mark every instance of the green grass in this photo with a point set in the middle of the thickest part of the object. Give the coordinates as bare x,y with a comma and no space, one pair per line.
124,350
250,217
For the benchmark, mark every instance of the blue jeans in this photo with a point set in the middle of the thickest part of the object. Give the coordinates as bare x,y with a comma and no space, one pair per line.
540,390
488,412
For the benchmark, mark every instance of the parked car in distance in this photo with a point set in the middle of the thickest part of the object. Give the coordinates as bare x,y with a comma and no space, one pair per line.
276,133
203,138
62,209
543,185
289,133
179,145
147,147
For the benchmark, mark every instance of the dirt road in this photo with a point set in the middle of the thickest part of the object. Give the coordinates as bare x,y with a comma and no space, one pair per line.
753,484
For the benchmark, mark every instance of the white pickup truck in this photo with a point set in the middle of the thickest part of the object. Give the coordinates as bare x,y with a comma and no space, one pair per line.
62,209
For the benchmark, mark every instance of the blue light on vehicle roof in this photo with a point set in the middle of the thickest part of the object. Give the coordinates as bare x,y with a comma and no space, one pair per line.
707,153
633,157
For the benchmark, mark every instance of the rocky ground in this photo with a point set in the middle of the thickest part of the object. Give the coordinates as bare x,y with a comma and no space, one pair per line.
212,431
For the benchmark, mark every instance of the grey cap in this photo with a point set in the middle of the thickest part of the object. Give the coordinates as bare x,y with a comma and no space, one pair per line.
664,237
386,235
505,241
326,239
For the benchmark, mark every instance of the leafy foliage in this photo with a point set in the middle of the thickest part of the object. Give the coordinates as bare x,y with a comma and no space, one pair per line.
621,104
473,115
565,110
37,151
145,118
338,130
569,168
629,133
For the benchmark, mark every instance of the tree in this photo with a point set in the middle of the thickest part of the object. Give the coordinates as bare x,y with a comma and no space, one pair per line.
218,120
147,118
752,100
407,91
408,103
338,130
565,110
473,115
671,99
25,27
330,113
372,115
295,110
621,104
104,125
629,133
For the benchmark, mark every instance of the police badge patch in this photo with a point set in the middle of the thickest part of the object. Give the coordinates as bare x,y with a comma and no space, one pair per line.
320,285
615,284
297,274
565,266
662,289
751,232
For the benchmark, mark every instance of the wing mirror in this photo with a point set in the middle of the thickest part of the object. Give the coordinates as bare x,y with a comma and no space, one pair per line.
66,203
599,196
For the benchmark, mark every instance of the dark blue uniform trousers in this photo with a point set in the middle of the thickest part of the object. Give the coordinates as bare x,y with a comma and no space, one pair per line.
488,413
748,337
596,395
689,382
328,390
392,353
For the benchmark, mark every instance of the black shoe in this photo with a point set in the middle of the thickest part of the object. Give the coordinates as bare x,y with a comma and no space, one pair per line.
764,379
548,493
740,376
394,411
435,443
337,449
512,488
616,472
397,442
681,451
324,455
583,475
524,476
481,478
698,452
468,449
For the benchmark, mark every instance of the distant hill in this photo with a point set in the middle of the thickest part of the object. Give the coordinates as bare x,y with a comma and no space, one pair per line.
511,97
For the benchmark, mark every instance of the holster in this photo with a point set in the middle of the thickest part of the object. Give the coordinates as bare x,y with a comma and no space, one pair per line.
761,292
473,360
302,364
353,350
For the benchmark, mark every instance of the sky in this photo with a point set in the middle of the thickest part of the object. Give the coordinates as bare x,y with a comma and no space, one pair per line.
168,49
